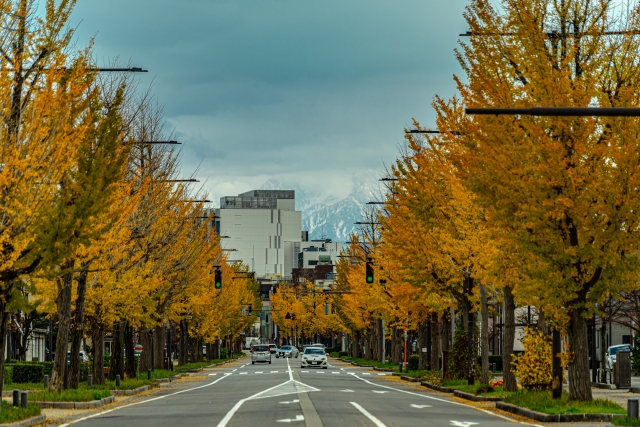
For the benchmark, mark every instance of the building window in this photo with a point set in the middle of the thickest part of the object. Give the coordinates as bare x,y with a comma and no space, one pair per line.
313,262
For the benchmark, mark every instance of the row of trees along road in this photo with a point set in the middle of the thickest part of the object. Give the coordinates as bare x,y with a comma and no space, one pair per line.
96,228
511,210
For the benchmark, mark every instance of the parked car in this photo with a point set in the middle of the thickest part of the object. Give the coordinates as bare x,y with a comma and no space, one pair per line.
287,351
260,353
273,348
611,353
314,357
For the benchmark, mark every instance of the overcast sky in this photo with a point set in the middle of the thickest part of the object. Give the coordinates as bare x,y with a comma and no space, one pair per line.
314,92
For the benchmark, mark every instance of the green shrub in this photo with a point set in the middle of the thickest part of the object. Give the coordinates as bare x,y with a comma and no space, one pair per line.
8,374
224,353
414,362
27,373
458,366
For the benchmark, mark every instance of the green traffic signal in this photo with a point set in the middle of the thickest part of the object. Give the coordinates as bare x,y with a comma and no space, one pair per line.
369,272
218,279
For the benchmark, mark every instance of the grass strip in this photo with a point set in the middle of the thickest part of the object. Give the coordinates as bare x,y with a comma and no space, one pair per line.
543,401
626,421
10,413
70,395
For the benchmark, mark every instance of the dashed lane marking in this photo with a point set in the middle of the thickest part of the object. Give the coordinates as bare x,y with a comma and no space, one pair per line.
242,373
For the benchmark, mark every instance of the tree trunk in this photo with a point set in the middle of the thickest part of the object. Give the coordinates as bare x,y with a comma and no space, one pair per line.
579,381
145,356
184,336
423,335
446,332
356,345
129,345
117,353
216,349
77,328
507,343
485,336
63,303
4,316
97,337
435,343
158,344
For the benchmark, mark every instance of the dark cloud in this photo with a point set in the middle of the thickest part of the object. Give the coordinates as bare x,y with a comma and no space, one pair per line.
260,88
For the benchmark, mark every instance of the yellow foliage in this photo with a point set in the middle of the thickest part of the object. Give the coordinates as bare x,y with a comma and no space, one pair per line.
533,368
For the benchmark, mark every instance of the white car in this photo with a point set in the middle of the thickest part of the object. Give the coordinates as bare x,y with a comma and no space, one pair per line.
611,353
314,357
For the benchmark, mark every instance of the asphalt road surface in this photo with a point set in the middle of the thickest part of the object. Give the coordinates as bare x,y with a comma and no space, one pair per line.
281,393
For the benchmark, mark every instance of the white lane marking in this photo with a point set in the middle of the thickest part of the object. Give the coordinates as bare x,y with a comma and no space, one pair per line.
382,374
293,401
290,420
347,391
306,372
260,372
413,405
379,392
274,372
234,370
463,423
321,372
336,373
144,401
244,373
373,419
366,373
290,371
445,401
237,406
212,375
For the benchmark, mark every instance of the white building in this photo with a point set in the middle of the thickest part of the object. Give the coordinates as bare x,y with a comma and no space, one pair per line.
262,229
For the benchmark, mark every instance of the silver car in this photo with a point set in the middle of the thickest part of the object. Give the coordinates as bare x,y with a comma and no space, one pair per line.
611,353
314,357
260,353
287,351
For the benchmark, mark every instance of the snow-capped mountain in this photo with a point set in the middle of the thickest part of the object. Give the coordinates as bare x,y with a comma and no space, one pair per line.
327,217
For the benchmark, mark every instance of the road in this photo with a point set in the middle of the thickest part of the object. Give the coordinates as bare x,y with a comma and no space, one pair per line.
281,393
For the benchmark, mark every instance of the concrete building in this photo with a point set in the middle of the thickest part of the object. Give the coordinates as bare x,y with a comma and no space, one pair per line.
261,228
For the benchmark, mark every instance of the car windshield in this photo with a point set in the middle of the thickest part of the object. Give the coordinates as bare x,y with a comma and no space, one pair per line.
260,348
285,347
614,350
311,350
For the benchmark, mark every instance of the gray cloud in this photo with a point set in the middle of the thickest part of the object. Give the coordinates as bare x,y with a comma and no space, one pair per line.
283,88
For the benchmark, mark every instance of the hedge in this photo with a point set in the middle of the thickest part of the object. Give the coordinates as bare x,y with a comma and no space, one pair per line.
413,362
27,373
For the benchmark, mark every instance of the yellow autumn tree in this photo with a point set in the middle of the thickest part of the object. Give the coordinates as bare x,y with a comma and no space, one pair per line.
561,189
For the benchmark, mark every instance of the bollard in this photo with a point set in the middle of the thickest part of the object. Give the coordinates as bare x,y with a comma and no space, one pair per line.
632,408
89,380
117,380
400,367
46,381
24,399
16,397
149,374
494,367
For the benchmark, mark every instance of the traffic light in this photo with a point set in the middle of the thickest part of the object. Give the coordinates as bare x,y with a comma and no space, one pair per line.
218,277
250,311
369,272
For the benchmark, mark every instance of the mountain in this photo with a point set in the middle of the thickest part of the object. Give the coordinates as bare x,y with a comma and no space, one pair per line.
327,217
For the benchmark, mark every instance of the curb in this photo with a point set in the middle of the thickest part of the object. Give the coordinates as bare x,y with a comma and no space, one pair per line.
406,378
129,392
78,405
437,387
558,418
474,398
384,369
38,419
168,380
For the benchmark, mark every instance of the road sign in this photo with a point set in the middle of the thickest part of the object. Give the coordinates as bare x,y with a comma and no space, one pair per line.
138,348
